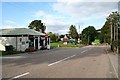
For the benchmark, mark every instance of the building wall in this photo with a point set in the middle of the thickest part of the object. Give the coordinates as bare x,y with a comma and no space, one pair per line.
15,42
21,46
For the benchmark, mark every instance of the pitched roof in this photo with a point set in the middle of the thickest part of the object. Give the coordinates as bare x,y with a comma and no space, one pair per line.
20,31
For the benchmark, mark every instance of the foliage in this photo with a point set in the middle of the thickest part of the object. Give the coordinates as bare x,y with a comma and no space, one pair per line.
88,35
110,30
2,53
62,36
105,33
37,25
53,37
96,42
73,32
10,48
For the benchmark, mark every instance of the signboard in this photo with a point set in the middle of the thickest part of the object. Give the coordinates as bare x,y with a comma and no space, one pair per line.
46,36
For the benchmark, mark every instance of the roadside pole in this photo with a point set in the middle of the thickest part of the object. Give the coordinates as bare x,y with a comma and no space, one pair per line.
117,41
111,36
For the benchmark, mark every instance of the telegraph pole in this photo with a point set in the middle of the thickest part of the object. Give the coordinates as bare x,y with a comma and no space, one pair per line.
79,35
111,35
111,27
88,39
79,29
118,39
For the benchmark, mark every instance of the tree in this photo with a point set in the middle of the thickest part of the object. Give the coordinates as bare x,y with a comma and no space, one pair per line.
62,36
114,21
73,32
105,33
53,37
88,35
37,25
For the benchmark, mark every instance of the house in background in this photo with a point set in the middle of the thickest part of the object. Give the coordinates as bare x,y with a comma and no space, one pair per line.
23,38
65,40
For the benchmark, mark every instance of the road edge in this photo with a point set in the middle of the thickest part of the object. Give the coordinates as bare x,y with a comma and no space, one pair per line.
113,66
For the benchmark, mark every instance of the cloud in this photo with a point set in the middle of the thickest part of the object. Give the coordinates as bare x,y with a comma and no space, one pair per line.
87,13
9,22
60,0
11,26
53,22
61,29
49,19
76,12
84,9
28,0
39,13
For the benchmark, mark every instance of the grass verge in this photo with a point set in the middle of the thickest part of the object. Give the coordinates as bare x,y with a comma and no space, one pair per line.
60,44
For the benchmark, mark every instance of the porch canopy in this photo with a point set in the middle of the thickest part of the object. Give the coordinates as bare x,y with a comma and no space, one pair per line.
15,32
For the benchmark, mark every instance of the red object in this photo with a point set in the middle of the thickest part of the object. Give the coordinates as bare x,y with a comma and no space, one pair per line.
46,36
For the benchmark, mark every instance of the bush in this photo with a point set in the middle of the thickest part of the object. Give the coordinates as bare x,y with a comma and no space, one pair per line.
9,48
30,49
10,52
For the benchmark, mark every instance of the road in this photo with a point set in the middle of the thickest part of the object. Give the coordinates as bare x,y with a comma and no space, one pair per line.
85,62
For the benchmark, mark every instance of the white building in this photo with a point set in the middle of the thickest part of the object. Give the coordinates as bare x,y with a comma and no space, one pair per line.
23,38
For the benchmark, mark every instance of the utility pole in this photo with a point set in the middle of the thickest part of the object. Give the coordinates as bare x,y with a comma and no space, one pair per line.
117,41
111,27
117,17
88,39
79,29
79,35
111,35
114,20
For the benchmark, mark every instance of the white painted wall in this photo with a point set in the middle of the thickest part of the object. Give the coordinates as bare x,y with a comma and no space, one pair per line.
21,46
48,45
2,48
12,41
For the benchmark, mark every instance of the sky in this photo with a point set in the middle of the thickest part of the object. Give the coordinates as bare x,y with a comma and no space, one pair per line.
57,15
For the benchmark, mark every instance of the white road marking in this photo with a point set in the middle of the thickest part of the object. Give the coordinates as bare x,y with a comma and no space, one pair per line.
84,51
11,57
61,60
21,75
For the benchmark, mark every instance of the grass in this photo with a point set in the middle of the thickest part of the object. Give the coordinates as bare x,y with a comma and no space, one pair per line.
96,42
55,45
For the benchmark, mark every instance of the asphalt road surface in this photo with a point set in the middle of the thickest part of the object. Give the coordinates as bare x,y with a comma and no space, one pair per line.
85,62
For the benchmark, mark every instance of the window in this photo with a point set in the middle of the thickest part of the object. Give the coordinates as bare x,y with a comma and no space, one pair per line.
27,42
23,43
